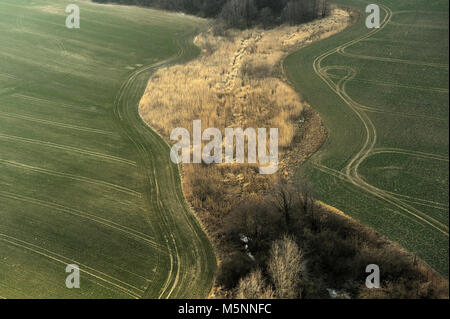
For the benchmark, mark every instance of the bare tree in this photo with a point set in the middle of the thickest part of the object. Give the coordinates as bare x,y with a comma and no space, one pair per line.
325,8
301,11
305,204
239,13
284,267
304,197
283,200
254,286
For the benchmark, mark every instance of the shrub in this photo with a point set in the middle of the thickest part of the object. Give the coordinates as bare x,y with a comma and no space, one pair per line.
254,286
284,267
233,269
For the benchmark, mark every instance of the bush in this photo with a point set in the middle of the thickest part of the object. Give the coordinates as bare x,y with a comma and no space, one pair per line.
284,267
233,269
254,286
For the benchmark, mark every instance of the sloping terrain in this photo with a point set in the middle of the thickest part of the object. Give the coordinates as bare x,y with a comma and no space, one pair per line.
383,96
234,83
83,180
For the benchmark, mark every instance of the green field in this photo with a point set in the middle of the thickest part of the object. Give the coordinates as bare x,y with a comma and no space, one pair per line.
383,96
83,180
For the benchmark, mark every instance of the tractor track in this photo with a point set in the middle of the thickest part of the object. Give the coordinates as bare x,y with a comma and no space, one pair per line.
350,172
190,271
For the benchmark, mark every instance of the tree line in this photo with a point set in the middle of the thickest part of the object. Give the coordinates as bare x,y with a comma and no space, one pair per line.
242,13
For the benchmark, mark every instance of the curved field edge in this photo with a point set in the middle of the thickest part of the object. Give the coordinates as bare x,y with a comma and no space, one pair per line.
352,137
193,262
83,180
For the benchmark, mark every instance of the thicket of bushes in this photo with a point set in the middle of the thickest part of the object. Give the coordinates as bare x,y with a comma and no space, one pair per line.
299,250
242,13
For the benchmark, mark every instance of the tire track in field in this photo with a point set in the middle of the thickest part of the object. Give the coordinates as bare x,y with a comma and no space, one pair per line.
343,177
410,153
421,200
410,199
49,102
351,169
351,74
419,25
19,22
126,94
70,149
147,239
341,49
83,179
128,91
175,219
190,261
8,76
58,124
377,110
423,155
118,284
428,26
390,60
413,115
413,87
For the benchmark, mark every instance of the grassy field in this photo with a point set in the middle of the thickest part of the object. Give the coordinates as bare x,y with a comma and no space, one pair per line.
383,96
83,180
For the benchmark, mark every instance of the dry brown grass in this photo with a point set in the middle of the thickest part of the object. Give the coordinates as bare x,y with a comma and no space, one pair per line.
214,90
234,83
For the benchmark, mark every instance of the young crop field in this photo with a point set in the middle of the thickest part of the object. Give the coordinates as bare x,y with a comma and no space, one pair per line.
383,96
83,180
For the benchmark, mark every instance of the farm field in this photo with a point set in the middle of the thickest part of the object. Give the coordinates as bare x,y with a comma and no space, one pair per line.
383,96
83,180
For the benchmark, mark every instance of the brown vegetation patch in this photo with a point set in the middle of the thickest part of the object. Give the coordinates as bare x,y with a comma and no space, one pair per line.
238,82
301,250
234,84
